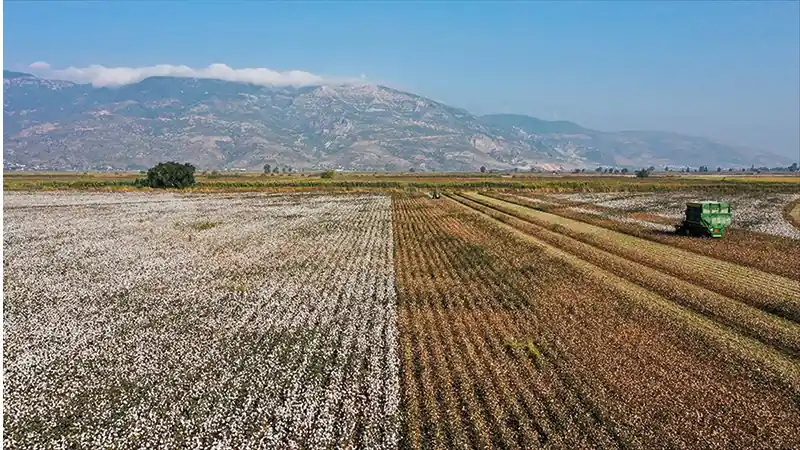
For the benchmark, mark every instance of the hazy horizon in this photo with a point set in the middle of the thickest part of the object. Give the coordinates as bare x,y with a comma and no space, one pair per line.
729,71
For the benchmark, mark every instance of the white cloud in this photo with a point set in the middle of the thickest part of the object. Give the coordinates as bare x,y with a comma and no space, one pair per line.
40,65
100,76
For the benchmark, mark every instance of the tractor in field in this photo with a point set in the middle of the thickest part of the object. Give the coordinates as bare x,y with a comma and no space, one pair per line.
705,218
436,194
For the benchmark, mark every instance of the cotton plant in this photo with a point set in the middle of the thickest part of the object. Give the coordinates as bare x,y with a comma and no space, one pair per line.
199,321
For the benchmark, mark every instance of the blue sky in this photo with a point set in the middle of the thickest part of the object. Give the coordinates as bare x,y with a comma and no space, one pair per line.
726,70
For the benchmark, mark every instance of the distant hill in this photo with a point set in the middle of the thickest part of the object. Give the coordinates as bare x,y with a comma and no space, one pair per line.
54,124
7,74
533,125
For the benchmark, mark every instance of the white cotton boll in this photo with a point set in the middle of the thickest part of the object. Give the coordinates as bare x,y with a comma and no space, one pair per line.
247,336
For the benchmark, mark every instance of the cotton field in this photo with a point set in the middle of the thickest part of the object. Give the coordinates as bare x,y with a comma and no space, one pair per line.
173,321
476,320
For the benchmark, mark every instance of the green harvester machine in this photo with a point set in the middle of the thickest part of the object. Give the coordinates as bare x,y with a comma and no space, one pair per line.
706,218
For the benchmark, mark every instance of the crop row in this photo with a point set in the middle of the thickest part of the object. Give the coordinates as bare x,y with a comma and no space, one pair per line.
704,307
754,212
262,321
775,254
459,323
227,323
770,292
538,348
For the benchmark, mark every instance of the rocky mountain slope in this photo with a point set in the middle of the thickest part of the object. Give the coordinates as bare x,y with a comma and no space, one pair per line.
52,124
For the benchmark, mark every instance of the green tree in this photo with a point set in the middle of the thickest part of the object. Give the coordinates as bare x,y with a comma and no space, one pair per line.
644,173
483,169
267,168
169,175
328,174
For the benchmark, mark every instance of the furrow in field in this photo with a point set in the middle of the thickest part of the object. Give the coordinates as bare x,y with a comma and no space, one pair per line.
715,268
572,406
773,254
410,401
510,300
771,293
449,407
770,329
413,325
417,297
538,406
469,328
452,319
458,344
636,336
756,354
566,409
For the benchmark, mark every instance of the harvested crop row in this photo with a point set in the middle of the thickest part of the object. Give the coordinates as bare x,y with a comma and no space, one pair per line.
553,342
774,254
643,219
771,329
758,213
769,292
774,331
230,323
459,334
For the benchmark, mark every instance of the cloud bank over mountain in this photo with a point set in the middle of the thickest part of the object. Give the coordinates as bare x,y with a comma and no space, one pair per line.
102,76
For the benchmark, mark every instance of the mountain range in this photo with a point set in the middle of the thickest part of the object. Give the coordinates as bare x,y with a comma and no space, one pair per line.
214,124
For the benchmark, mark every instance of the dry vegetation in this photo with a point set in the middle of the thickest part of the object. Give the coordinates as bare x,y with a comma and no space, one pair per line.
382,181
791,212
770,253
491,320
757,212
508,340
